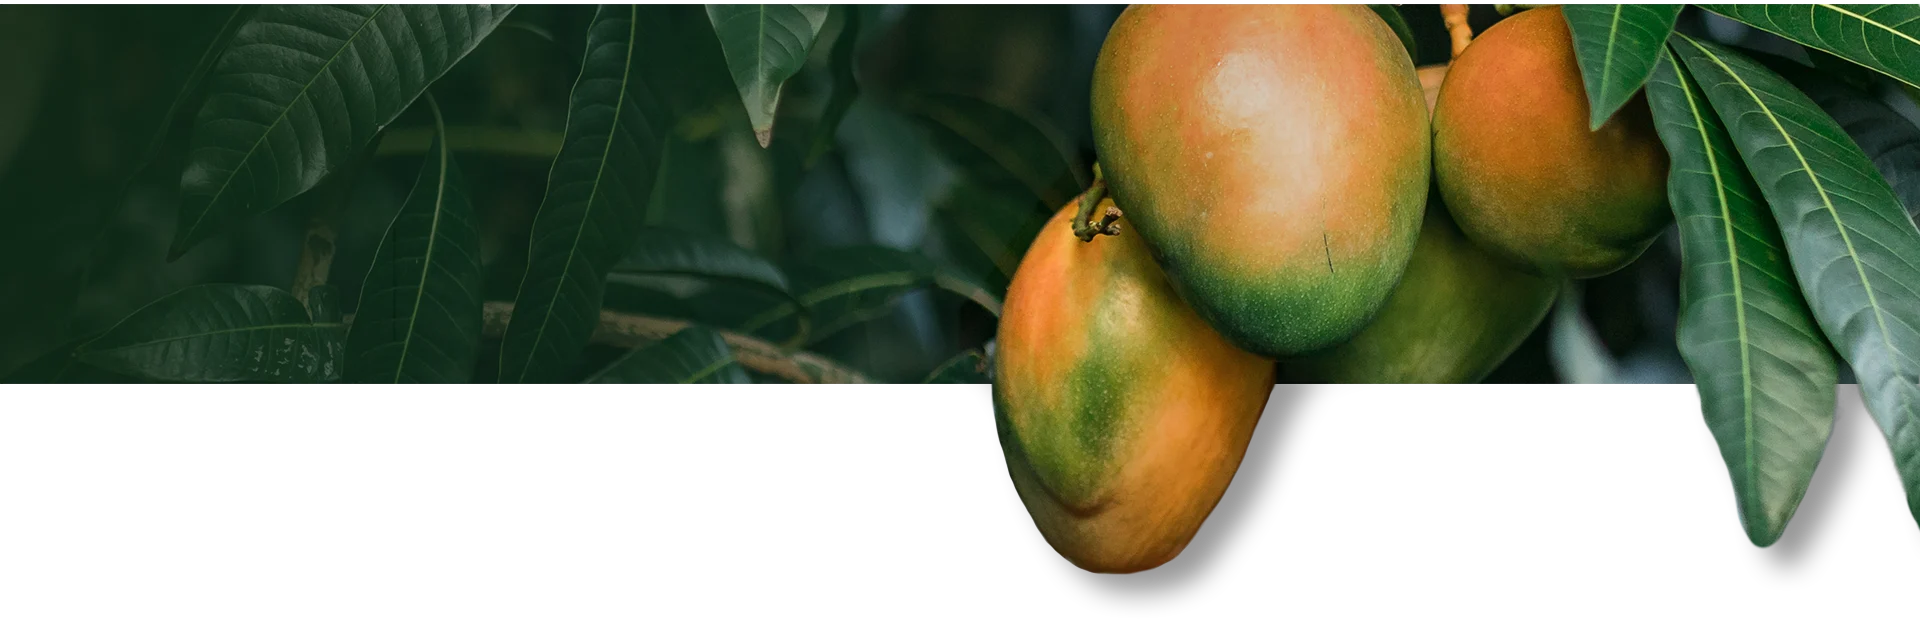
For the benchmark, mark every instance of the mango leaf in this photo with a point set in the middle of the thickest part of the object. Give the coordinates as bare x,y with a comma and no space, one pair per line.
998,147
844,287
1851,245
846,85
1882,37
765,44
62,366
988,296
593,210
301,89
1887,137
967,368
1765,373
1401,29
1616,45
666,251
221,333
987,233
694,355
420,304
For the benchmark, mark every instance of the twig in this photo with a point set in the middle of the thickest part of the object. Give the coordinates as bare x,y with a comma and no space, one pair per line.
1455,16
632,330
316,256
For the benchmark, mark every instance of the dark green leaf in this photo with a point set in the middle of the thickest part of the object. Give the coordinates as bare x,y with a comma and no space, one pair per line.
1882,37
1851,245
420,304
988,296
301,89
694,355
1616,45
844,287
987,233
62,366
999,147
221,333
593,210
846,85
1398,23
1887,137
666,251
1765,373
967,368
765,44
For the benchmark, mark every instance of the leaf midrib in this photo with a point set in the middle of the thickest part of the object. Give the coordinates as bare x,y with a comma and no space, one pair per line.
839,289
626,74
1873,301
244,159
169,340
433,238
1606,61
1739,289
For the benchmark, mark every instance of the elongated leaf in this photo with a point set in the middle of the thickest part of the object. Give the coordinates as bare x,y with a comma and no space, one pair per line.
660,250
1882,37
844,287
1852,247
988,296
998,147
765,44
1765,373
420,305
1616,45
593,210
221,333
986,233
1887,137
967,368
1401,29
694,355
62,366
846,85
301,89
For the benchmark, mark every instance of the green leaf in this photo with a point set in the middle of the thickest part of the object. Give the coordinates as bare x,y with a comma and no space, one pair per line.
1851,245
301,89
594,208
987,233
62,366
846,85
221,333
765,44
671,252
420,304
967,368
998,147
971,287
844,287
1888,138
1616,45
1765,373
694,355
1401,29
1882,37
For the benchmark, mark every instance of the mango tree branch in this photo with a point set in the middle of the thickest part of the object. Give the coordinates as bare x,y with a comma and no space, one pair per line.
633,330
1455,16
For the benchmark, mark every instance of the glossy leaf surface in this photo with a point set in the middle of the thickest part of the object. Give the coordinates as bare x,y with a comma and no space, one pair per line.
593,210
694,355
765,44
1882,37
301,89
1888,138
1853,249
1765,374
998,147
222,333
420,304
1616,46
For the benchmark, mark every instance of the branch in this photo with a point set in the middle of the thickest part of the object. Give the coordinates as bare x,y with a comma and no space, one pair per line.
633,330
1455,16
316,257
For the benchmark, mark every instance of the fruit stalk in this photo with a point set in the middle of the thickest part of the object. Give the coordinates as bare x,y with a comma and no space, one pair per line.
1083,225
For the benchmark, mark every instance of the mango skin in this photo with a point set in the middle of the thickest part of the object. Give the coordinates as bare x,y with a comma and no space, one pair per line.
1275,158
1518,168
1122,415
1456,315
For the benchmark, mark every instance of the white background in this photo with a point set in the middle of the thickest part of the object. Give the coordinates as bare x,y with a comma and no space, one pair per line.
465,501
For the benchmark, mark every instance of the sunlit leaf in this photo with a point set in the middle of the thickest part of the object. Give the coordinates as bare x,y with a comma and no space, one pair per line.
1851,244
221,333
301,89
694,355
419,314
1616,45
1765,373
765,44
593,210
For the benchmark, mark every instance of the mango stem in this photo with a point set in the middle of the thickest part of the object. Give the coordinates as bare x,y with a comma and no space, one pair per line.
1084,226
1455,16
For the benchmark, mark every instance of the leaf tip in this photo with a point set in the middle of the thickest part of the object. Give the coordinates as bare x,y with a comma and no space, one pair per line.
765,136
